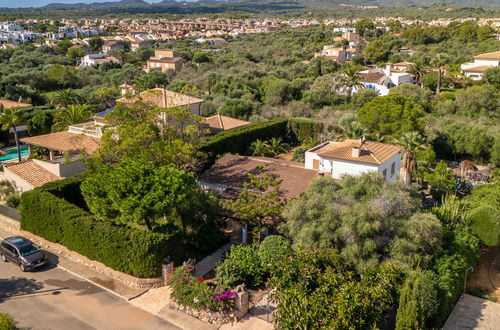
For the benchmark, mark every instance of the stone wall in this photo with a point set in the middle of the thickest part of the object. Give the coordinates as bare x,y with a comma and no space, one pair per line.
14,227
205,315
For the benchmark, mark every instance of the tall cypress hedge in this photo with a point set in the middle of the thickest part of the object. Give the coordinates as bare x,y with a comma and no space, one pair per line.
132,251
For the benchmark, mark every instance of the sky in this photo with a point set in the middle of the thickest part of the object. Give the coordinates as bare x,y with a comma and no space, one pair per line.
39,3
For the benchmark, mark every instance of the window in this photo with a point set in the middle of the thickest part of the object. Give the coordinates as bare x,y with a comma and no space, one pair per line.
315,164
393,168
384,173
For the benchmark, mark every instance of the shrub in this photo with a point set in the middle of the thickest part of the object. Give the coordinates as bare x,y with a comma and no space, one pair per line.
299,154
189,291
125,249
418,301
461,253
273,250
6,188
241,265
485,223
6,322
13,200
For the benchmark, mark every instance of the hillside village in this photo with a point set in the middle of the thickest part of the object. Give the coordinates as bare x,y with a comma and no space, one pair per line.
228,173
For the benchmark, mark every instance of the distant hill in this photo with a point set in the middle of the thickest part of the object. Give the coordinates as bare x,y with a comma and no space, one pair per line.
383,3
110,4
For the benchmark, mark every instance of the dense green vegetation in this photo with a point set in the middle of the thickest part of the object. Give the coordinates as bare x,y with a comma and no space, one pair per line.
131,250
348,250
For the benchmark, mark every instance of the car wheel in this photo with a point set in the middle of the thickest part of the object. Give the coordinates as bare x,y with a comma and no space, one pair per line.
3,257
23,267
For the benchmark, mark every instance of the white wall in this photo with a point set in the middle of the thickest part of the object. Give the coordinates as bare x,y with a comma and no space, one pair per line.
343,167
19,183
338,167
62,169
487,62
387,165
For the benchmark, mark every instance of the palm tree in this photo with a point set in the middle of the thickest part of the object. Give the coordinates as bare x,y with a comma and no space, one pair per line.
439,61
74,114
259,148
418,69
410,142
66,97
276,146
352,80
353,131
10,118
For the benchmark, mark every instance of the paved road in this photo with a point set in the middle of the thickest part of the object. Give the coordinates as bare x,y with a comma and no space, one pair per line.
51,298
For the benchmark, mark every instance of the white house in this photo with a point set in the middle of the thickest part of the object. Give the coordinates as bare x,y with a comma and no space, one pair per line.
381,80
354,157
95,59
481,63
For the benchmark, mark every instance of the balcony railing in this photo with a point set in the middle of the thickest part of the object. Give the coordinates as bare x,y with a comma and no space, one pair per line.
89,129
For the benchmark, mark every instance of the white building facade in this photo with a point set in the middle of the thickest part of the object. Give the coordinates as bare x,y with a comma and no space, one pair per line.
481,63
355,157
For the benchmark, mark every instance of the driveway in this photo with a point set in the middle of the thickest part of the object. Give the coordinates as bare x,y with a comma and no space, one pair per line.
51,298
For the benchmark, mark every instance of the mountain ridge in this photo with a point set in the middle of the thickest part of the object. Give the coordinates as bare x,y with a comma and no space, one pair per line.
381,3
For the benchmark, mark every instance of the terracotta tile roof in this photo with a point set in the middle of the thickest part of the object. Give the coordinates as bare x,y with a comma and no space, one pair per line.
166,60
480,68
64,141
31,172
371,152
488,56
232,171
6,104
160,97
224,123
403,63
371,77
106,59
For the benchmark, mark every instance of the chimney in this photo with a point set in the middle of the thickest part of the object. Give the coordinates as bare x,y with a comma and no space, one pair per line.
356,152
388,69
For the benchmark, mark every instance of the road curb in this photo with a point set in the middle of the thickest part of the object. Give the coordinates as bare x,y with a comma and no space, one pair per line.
93,282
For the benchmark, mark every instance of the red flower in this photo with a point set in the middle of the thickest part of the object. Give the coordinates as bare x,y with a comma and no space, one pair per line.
201,280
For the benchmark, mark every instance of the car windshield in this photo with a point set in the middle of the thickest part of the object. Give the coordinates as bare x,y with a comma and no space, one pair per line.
28,249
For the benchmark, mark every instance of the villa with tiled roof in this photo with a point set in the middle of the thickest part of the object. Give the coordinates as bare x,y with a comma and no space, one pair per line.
482,62
354,157
61,156
219,123
160,97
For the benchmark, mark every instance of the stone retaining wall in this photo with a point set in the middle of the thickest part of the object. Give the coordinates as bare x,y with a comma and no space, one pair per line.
14,227
206,316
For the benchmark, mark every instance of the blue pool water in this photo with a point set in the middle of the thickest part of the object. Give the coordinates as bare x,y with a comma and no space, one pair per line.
12,153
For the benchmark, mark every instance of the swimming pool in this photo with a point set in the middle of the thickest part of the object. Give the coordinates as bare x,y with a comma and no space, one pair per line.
12,153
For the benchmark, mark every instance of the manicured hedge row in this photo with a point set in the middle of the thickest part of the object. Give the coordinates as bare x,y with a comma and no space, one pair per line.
304,128
238,141
131,251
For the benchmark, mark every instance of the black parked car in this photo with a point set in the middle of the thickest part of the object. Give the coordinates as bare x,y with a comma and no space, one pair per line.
22,252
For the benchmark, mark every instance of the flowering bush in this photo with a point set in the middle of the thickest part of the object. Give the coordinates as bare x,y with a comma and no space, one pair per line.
189,291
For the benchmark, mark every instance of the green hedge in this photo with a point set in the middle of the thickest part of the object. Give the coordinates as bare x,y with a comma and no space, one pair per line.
238,141
304,128
131,251
485,223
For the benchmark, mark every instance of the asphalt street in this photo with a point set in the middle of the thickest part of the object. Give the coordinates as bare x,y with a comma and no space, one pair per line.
51,298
